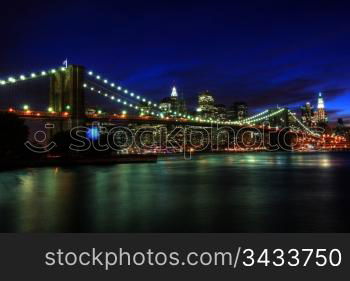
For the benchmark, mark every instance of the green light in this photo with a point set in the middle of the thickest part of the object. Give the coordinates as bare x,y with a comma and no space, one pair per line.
50,109
68,107
26,107
124,112
99,111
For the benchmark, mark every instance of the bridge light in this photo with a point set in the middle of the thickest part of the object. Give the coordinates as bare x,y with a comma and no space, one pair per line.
106,95
50,109
149,102
53,70
84,85
99,112
92,88
12,80
124,112
125,91
138,97
119,88
26,107
63,68
98,77
125,102
112,85
33,75
105,81
90,73
143,100
136,107
2,82
112,97
43,73
132,94
155,105
22,77
118,100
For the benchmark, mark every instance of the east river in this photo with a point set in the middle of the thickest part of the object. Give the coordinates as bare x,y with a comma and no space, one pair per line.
241,192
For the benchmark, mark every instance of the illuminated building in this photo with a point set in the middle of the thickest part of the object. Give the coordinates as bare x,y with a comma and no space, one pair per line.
321,112
173,103
308,115
206,106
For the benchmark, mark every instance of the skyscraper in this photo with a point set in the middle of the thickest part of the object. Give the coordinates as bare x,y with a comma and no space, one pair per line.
307,115
206,106
173,103
321,111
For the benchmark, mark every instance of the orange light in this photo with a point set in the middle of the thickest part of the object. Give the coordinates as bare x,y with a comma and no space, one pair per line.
65,114
11,109
38,114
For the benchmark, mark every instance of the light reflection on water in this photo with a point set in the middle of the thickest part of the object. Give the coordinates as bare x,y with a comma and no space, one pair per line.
248,192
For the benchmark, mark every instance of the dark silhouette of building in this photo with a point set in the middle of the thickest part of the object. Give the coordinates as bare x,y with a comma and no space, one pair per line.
221,112
238,111
340,129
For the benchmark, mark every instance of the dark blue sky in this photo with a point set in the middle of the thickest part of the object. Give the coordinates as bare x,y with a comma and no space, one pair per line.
262,52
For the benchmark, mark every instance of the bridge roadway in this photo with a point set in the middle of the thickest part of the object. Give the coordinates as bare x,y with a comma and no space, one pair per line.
120,118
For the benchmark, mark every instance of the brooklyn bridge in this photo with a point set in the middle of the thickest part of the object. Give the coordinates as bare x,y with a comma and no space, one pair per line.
67,108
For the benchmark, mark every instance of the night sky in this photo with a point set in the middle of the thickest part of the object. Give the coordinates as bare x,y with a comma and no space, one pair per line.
262,52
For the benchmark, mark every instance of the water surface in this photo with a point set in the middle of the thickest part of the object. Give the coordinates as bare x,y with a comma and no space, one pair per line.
247,192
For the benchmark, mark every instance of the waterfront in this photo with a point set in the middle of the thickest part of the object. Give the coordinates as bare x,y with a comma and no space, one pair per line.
241,192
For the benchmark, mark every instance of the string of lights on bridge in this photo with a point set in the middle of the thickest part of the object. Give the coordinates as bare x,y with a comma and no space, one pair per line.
302,125
33,75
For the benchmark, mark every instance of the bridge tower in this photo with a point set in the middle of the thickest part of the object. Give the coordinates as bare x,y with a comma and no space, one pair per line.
67,95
